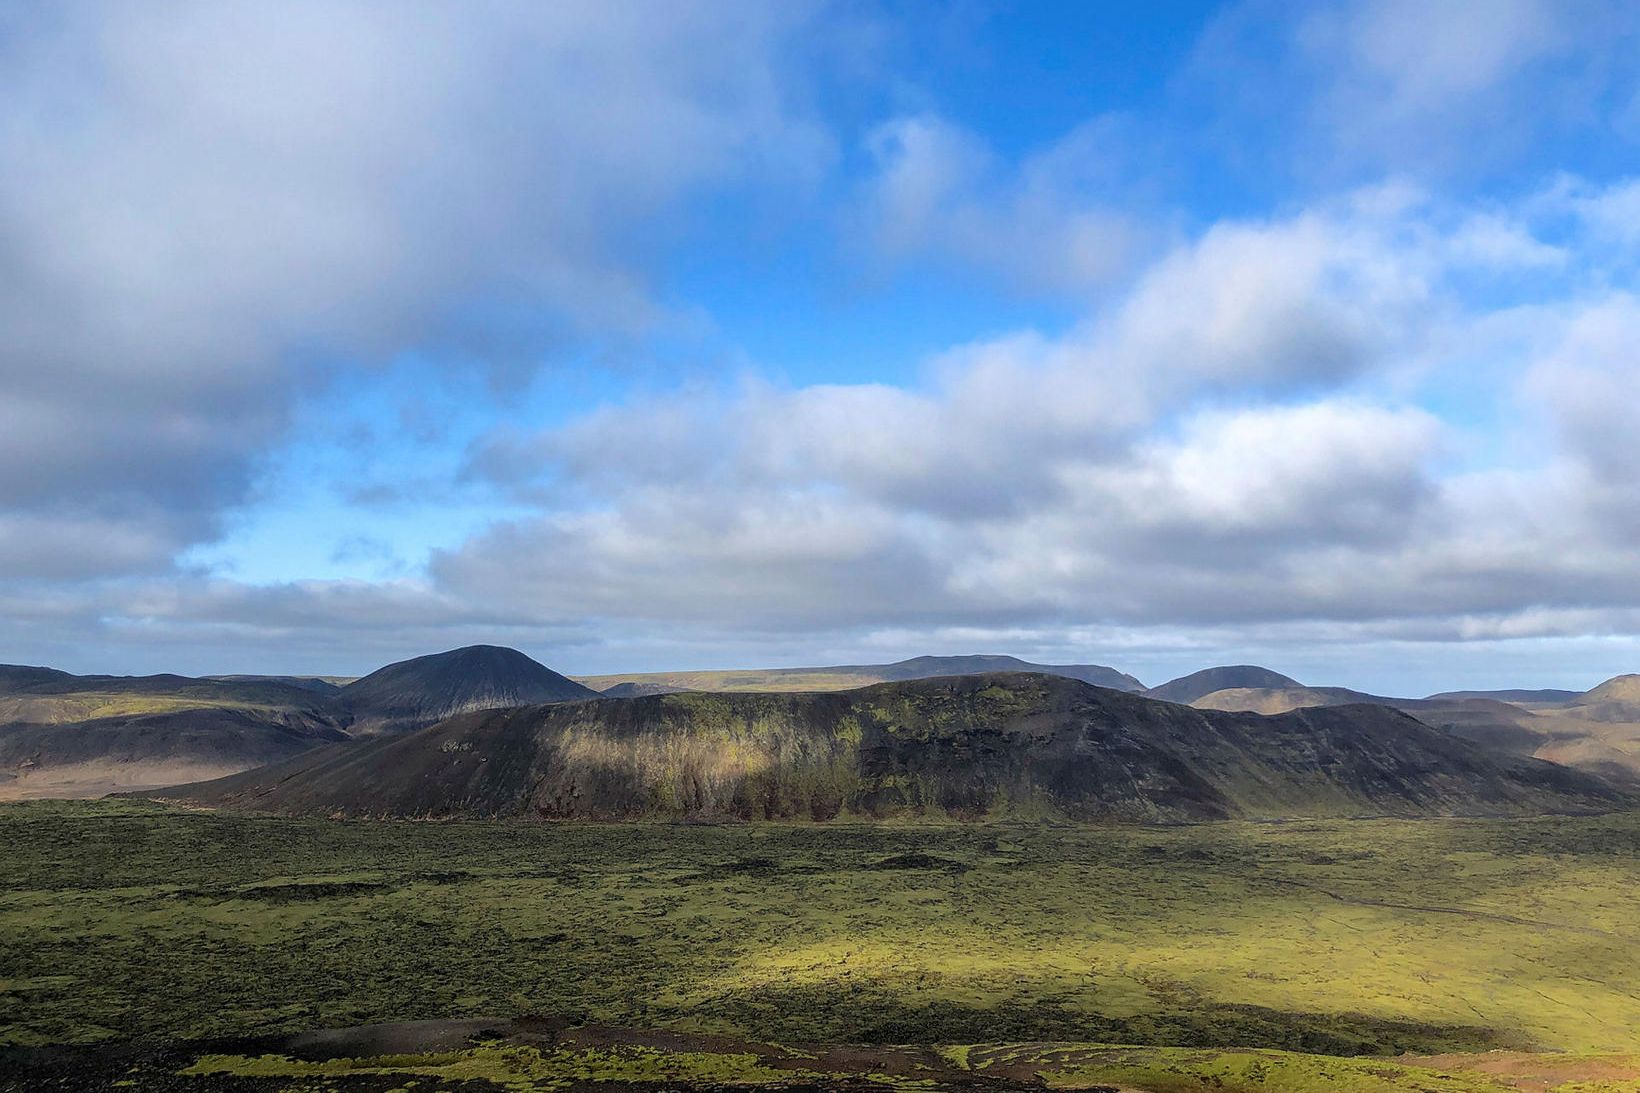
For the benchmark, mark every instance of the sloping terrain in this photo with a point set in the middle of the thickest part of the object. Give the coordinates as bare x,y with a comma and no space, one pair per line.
847,676
1500,725
1016,745
412,694
141,751
63,735
1597,730
1188,689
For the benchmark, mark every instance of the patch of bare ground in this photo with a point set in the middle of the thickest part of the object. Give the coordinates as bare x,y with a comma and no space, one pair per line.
1534,1073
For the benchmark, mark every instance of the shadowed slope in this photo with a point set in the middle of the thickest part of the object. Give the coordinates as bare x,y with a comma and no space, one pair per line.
967,747
415,693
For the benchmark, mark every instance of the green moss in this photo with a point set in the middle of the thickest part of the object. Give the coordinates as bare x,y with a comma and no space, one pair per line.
517,1067
1338,937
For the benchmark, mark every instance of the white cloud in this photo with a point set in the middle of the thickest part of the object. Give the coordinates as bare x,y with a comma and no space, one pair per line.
200,201
1059,220
1357,89
1234,441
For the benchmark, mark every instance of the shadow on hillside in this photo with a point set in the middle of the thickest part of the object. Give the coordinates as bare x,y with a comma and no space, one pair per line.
843,1015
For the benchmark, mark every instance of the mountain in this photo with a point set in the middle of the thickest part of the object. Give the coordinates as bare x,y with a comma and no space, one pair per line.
1597,730
412,694
1196,685
63,735
1016,745
847,676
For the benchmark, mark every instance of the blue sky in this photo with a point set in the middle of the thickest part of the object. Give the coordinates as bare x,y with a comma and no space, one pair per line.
647,336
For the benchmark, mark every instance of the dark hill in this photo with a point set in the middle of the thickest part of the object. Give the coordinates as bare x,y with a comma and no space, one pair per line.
1024,746
415,693
21,677
1196,685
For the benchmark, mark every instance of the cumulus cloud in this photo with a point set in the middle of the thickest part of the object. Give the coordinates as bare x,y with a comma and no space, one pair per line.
1232,442
1370,417
1434,89
205,206
1060,220
1193,452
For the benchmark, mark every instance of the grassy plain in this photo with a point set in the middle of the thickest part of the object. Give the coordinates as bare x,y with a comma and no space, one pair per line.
129,921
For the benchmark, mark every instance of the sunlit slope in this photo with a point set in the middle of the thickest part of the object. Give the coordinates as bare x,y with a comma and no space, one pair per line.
967,747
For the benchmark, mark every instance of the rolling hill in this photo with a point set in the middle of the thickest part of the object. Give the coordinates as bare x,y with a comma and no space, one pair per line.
64,735
847,676
412,694
967,747
1597,730
1188,689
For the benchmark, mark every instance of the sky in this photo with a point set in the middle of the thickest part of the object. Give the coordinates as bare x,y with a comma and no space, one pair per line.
672,335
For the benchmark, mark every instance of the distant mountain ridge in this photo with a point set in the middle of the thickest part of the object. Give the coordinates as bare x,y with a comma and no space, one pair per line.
847,676
966,747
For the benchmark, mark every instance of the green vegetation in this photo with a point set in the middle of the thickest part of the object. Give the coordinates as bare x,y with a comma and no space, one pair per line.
127,920
1055,1066
516,1067
90,705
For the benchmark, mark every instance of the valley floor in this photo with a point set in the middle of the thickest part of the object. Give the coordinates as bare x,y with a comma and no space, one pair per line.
1503,954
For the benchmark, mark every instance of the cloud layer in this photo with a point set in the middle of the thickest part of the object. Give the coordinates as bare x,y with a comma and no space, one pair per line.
1334,386
206,208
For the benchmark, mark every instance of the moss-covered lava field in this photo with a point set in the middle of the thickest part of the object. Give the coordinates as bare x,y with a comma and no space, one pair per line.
128,929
